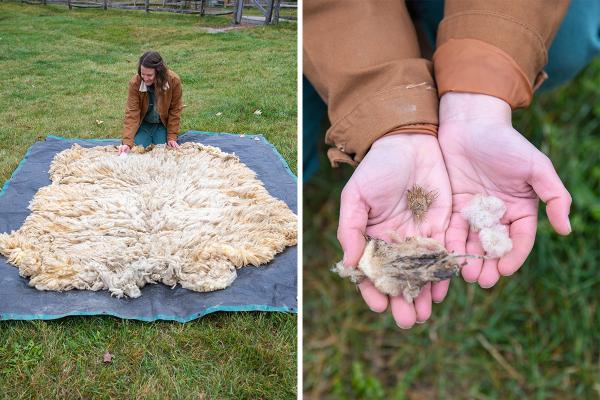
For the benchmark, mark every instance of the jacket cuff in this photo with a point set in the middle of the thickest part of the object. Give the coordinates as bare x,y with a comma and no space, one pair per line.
171,136
474,66
384,112
522,43
426,129
128,142
336,157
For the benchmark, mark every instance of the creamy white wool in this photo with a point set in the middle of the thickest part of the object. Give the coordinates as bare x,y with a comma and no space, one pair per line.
495,241
484,211
484,214
189,216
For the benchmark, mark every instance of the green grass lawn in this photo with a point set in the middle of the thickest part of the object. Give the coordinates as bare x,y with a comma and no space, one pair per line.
63,70
535,335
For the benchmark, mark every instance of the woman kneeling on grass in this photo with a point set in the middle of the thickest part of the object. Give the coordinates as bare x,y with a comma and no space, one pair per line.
154,105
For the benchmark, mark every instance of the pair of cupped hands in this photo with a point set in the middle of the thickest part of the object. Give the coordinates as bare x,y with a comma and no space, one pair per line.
476,151
124,148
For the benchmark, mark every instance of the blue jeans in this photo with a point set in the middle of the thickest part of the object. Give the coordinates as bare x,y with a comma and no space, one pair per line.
149,134
576,43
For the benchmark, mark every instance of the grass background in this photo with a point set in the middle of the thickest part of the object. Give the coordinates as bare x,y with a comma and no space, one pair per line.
63,70
535,335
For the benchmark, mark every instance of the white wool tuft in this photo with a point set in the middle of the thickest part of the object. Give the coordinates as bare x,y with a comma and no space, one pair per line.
495,241
484,211
189,216
484,214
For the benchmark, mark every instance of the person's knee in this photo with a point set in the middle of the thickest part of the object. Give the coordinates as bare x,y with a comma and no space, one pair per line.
315,111
575,45
159,136
142,138
138,140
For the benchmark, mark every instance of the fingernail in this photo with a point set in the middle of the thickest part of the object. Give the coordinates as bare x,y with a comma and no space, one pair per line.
569,223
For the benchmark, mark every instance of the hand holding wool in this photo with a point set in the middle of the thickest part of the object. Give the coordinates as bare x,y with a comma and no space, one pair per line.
173,144
374,202
123,149
484,154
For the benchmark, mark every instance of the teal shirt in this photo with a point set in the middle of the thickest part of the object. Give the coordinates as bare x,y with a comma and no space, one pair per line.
151,115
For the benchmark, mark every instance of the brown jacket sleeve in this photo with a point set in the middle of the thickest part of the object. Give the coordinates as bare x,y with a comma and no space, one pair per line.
363,59
132,113
496,47
175,111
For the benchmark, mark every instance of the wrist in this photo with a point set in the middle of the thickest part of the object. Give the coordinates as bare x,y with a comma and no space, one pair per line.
468,107
403,139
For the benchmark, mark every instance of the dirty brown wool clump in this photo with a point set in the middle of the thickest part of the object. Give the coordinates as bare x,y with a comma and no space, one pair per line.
419,201
402,267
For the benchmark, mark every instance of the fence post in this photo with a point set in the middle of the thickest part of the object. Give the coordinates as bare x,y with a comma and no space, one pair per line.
276,11
147,4
237,14
105,4
69,4
269,14
202,7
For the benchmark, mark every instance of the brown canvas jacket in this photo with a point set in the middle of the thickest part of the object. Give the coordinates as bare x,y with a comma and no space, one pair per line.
496,47
363,58
169,103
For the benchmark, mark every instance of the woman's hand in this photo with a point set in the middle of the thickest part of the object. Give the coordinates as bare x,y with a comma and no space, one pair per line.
484,154
124,149
173,144
374,203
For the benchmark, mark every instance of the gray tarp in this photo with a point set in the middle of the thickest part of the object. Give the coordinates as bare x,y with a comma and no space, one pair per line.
268,288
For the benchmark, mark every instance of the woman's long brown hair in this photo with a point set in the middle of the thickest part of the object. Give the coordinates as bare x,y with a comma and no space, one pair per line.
152,59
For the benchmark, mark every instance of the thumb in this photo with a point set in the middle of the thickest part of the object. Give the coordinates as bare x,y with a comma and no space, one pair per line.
547,185
353,222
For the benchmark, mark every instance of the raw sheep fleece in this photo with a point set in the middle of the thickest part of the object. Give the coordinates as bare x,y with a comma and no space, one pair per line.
189,216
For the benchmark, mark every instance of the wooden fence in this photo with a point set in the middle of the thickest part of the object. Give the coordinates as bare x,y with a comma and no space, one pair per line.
270,9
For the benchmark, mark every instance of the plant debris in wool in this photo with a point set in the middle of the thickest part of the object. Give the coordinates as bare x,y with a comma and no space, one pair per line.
419,201
402,267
